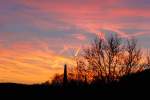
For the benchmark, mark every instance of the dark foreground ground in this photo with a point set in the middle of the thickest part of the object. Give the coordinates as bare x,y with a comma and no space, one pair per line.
132,86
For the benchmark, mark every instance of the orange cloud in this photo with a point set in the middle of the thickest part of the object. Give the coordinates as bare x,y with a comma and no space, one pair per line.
26,64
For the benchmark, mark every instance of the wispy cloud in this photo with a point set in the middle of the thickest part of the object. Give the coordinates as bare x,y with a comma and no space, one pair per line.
23,63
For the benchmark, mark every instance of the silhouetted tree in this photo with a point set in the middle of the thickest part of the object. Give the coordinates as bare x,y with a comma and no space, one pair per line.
113,51
104,57
57,81
65,78
133,57
111,59
81,69
94,56
147,65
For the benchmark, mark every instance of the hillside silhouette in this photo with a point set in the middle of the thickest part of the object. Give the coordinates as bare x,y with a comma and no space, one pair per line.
134,85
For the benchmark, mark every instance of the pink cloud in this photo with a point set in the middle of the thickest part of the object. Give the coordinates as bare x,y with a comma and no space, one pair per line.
90,16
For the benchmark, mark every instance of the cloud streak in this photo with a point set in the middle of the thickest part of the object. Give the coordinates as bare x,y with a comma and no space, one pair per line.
30,65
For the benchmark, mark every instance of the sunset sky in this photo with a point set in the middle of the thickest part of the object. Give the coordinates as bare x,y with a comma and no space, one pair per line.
37,37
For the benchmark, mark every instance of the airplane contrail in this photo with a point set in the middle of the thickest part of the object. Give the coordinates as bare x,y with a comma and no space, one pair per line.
77,52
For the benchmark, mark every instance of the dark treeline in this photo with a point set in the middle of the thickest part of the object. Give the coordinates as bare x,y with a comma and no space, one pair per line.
107,68
105,62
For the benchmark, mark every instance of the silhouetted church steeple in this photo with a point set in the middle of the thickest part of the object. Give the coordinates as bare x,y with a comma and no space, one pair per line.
65,80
